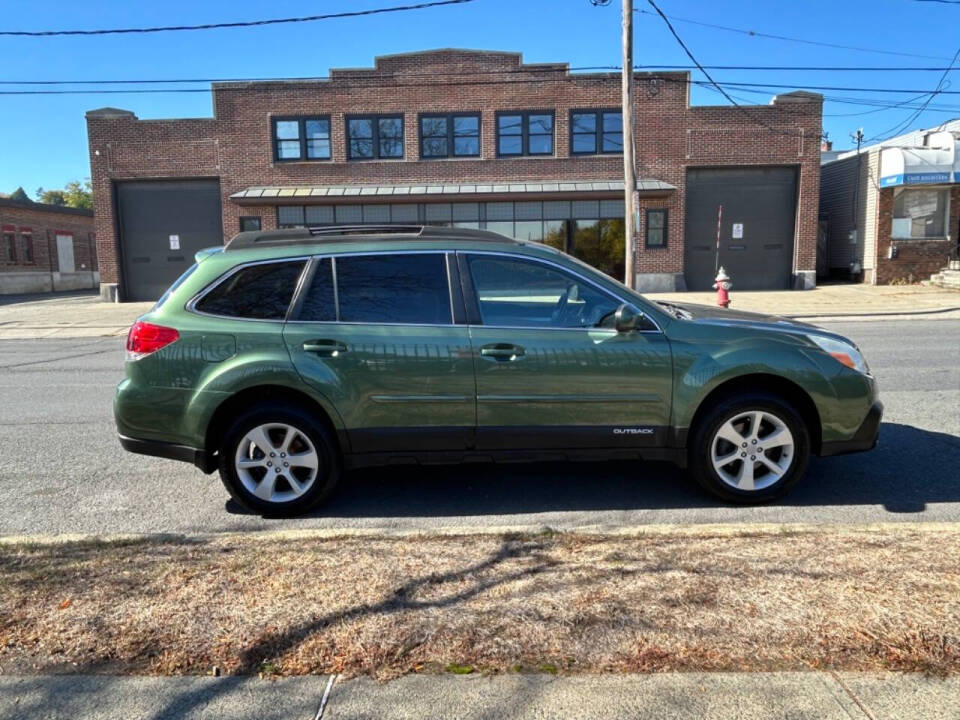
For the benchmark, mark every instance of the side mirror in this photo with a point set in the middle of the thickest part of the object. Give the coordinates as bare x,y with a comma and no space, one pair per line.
627,318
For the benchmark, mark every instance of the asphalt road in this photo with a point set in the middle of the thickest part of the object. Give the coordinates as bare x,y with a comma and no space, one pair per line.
62,470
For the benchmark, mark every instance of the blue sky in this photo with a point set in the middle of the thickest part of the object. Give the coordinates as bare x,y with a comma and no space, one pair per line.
43,138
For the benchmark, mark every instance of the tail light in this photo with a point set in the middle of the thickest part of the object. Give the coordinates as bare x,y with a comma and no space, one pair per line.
145,338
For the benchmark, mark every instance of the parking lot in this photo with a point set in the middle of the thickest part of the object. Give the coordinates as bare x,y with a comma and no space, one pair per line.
64,472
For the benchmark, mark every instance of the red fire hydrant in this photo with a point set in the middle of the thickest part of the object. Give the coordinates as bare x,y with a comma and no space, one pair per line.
722,286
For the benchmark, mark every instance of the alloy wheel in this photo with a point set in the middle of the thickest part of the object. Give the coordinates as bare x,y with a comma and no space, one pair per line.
276,462
752,450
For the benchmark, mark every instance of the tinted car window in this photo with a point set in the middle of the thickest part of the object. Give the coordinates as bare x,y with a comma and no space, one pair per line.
393,289
319,302
260,292
518,293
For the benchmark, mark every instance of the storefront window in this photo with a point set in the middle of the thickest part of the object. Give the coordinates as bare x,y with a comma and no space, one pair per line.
920,213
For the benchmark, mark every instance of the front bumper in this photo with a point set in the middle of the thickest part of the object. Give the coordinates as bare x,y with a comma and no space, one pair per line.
864,439
171,451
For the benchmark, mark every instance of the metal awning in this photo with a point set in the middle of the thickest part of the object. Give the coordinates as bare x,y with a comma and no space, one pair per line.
272,194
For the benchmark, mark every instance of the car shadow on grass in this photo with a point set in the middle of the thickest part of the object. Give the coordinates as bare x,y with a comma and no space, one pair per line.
909,468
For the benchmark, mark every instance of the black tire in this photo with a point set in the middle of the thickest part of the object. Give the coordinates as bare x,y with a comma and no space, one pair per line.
327,472
700,449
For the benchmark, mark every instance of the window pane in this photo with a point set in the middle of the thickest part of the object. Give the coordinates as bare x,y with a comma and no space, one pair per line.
602,244
466,125
391,147
361,148
287,129
289,215
502,227
531,230
391,128
261,292
510,124
466,146
613,142
584,123
515,293
435,147
379,214
555,234
403,213
360,128
437,212
319,215
655,218
433,127
393,289
318,305
249,223
540,123
584,143
318,129
288,149
919,213
318,149
511,145
466,211
541,144
612,122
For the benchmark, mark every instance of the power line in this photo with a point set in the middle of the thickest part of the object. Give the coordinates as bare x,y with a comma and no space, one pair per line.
786,38
217,26
712,81
390,76
901,126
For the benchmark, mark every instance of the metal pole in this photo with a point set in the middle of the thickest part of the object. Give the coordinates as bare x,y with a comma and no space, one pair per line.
716,264
629,177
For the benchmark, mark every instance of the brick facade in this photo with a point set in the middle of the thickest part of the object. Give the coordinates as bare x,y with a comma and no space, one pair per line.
35,267
916,259
670,136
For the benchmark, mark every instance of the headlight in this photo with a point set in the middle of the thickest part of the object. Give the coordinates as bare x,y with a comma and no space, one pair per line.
843,352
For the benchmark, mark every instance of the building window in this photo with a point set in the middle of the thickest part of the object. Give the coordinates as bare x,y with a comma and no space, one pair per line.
250,222
920,213
9,247
305,138
450,135
656,229
371,137
594,132
26,243
524,133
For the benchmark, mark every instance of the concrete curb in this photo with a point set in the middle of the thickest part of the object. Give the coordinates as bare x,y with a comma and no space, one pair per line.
655,530
693,696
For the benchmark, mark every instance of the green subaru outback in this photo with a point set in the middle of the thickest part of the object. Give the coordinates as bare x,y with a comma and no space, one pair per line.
289,355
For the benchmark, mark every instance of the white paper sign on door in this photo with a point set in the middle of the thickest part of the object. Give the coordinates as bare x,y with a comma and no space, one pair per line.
174,242
737,231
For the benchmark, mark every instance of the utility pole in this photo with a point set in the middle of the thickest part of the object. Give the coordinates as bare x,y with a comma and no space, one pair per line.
629,175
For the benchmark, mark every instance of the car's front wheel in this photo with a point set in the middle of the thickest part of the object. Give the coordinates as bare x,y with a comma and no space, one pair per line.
750,448
277,460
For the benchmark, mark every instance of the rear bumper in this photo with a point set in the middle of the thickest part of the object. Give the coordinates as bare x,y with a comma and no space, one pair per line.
864,439
171,451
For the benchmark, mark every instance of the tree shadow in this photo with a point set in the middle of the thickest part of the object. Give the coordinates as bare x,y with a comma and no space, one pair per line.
909,469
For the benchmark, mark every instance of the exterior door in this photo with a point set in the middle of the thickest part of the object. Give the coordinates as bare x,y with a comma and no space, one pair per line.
375,334
552,372
756,232
65,261
163,223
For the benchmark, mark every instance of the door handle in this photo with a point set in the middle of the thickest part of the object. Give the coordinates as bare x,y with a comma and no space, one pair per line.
325,348
502,352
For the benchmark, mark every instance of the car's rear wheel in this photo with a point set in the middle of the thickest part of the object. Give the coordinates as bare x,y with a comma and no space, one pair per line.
750,448
277,460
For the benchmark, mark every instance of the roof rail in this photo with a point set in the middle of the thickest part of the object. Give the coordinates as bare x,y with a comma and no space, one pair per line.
299,236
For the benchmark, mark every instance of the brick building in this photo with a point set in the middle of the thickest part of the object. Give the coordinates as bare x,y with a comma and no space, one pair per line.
46,247
470,138
892,211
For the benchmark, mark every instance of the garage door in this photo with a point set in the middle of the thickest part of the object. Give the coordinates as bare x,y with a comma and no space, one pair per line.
756,235
162,224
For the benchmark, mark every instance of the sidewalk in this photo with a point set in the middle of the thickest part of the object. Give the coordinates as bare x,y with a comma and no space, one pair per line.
85,315
666,696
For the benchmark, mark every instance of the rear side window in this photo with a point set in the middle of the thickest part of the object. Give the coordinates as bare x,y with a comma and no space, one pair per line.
258,292
319,303
407,288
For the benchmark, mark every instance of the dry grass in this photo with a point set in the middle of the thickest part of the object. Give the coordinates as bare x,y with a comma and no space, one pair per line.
853,599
